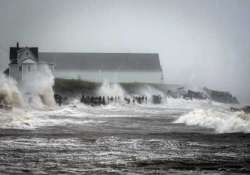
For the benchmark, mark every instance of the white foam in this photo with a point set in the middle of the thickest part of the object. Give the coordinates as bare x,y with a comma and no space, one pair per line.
148,91
203,113
221,121
16,118
37,88
9,92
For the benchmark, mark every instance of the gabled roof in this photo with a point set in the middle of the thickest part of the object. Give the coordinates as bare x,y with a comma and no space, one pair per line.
103,61
14,51
26,54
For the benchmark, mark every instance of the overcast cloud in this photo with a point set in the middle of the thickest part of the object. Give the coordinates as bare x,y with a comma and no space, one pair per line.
200,42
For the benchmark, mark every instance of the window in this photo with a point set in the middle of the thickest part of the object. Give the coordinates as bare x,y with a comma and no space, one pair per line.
20,68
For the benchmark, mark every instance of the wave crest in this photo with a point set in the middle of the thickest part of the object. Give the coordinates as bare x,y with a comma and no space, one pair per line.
9,92
221,121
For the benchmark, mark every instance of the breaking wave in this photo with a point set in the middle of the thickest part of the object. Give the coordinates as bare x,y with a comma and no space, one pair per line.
20,100
149,91
111,89
222,121
9,92
115,89
37,88
36,93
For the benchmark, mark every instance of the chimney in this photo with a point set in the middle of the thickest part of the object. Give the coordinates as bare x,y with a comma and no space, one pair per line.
17,45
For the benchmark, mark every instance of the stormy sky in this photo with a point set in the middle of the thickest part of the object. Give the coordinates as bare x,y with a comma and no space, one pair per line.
200,42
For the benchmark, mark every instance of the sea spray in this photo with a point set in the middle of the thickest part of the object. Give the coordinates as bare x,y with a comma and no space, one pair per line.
9,92
11,98
144,90
111,89
150,91
37,88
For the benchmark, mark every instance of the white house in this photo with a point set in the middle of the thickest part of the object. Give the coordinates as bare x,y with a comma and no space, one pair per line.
23,61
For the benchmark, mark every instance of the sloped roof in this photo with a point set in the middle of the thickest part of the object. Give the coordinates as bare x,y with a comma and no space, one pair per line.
103,61
14,51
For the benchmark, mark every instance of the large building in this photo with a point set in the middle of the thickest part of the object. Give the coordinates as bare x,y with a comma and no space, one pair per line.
24,61
96,67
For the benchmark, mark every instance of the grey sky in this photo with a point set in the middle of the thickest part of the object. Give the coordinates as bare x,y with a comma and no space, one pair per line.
200,42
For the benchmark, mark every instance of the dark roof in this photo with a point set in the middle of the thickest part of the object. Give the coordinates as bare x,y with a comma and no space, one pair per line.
14,50
103,61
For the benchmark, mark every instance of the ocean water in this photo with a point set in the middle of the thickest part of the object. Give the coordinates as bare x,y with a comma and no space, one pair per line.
177,137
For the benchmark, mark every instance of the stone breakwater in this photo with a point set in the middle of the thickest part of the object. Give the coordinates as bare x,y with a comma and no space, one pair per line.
105,100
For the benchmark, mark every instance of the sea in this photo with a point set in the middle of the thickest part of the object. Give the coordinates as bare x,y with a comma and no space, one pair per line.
179,137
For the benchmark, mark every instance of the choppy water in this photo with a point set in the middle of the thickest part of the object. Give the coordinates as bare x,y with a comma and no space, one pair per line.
178,137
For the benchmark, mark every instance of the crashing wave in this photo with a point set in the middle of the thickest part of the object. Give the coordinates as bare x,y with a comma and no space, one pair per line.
34,91
9,93
20,100
111,89
37,88
221,121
